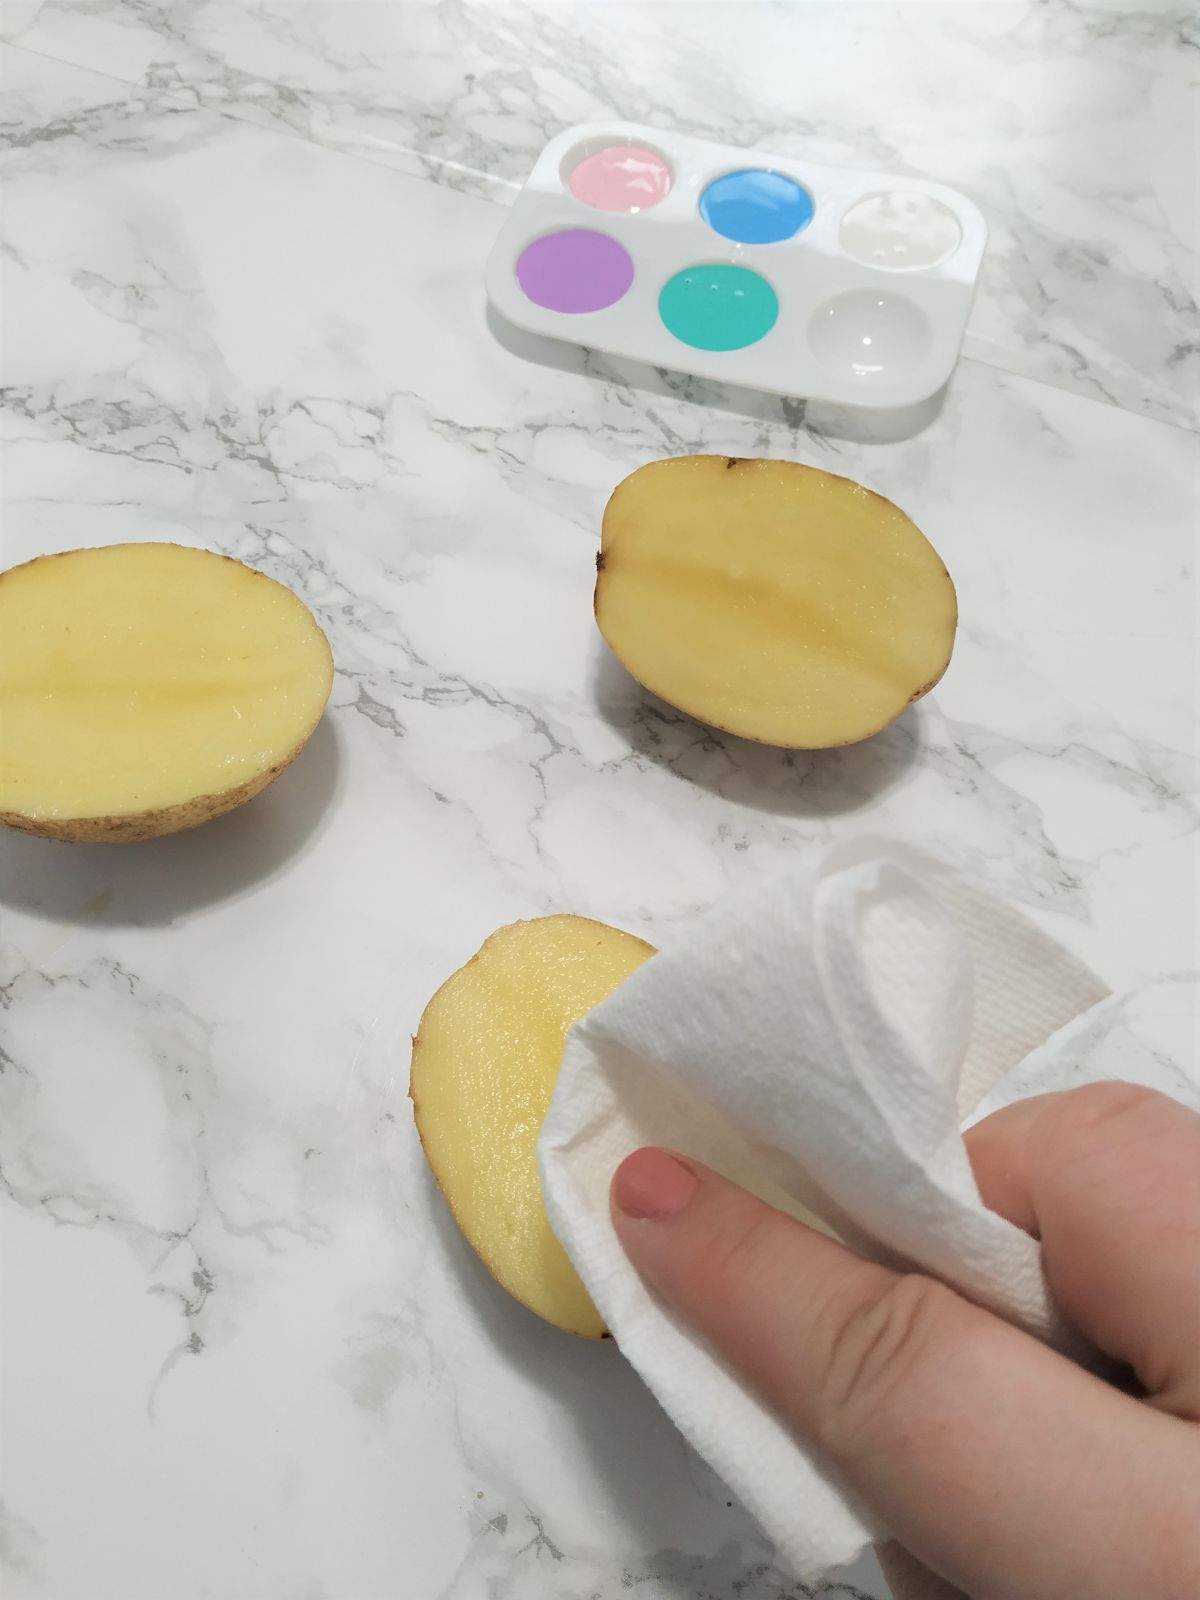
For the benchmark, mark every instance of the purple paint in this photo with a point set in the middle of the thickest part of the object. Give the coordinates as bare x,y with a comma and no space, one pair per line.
574,271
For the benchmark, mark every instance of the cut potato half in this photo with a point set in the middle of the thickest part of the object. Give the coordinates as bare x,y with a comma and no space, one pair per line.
146,688
772,600
484,1063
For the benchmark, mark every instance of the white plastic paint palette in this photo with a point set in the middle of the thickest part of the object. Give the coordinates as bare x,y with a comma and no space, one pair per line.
754,269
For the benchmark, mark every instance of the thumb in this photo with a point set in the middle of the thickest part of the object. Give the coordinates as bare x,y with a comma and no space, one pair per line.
1000,1464
910,1579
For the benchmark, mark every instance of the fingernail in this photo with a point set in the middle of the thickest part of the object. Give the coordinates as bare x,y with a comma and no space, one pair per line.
650,1184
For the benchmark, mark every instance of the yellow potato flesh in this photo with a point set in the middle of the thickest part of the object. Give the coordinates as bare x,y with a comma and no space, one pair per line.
146,687
772,600
484,1065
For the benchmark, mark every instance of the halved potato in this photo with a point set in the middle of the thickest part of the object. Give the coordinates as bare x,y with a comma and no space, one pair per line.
146,688
484,1063
771,599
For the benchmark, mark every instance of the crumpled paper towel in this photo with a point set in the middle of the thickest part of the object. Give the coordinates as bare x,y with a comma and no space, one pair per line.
822,1041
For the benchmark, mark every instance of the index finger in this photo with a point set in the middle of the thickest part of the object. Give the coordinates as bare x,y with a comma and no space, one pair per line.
1108,1178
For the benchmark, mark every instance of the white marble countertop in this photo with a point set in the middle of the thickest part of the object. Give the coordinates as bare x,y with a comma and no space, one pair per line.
245,1355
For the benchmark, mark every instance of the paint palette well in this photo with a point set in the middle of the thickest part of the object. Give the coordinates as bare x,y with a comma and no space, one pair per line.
755,269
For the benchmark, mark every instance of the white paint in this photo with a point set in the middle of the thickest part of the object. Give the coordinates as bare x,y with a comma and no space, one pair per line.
901,230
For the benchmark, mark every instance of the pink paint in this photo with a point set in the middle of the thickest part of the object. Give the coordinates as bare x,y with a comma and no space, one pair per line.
621,177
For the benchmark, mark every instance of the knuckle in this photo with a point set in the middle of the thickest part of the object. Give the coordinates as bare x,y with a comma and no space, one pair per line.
1100,1123
1112,1108
874,1352
730,1257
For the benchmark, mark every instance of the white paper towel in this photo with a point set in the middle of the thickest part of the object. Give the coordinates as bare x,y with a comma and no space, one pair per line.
822,1041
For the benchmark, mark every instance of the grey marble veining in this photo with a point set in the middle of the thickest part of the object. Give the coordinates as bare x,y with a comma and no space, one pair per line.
245,1352
1073,125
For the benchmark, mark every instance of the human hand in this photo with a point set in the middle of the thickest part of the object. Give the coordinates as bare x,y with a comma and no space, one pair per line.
1003,1470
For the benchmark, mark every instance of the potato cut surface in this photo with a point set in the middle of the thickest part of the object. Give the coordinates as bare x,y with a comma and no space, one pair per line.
771,599
145,687
484,1065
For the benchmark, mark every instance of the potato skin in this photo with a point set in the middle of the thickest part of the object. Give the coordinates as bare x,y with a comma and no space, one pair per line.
141,825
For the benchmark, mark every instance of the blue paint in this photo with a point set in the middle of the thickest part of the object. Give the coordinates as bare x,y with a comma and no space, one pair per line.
755,206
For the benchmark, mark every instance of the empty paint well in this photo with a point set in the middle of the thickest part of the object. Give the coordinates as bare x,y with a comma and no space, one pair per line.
716,306
575,270
866,334
621,177
756,206
901,231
